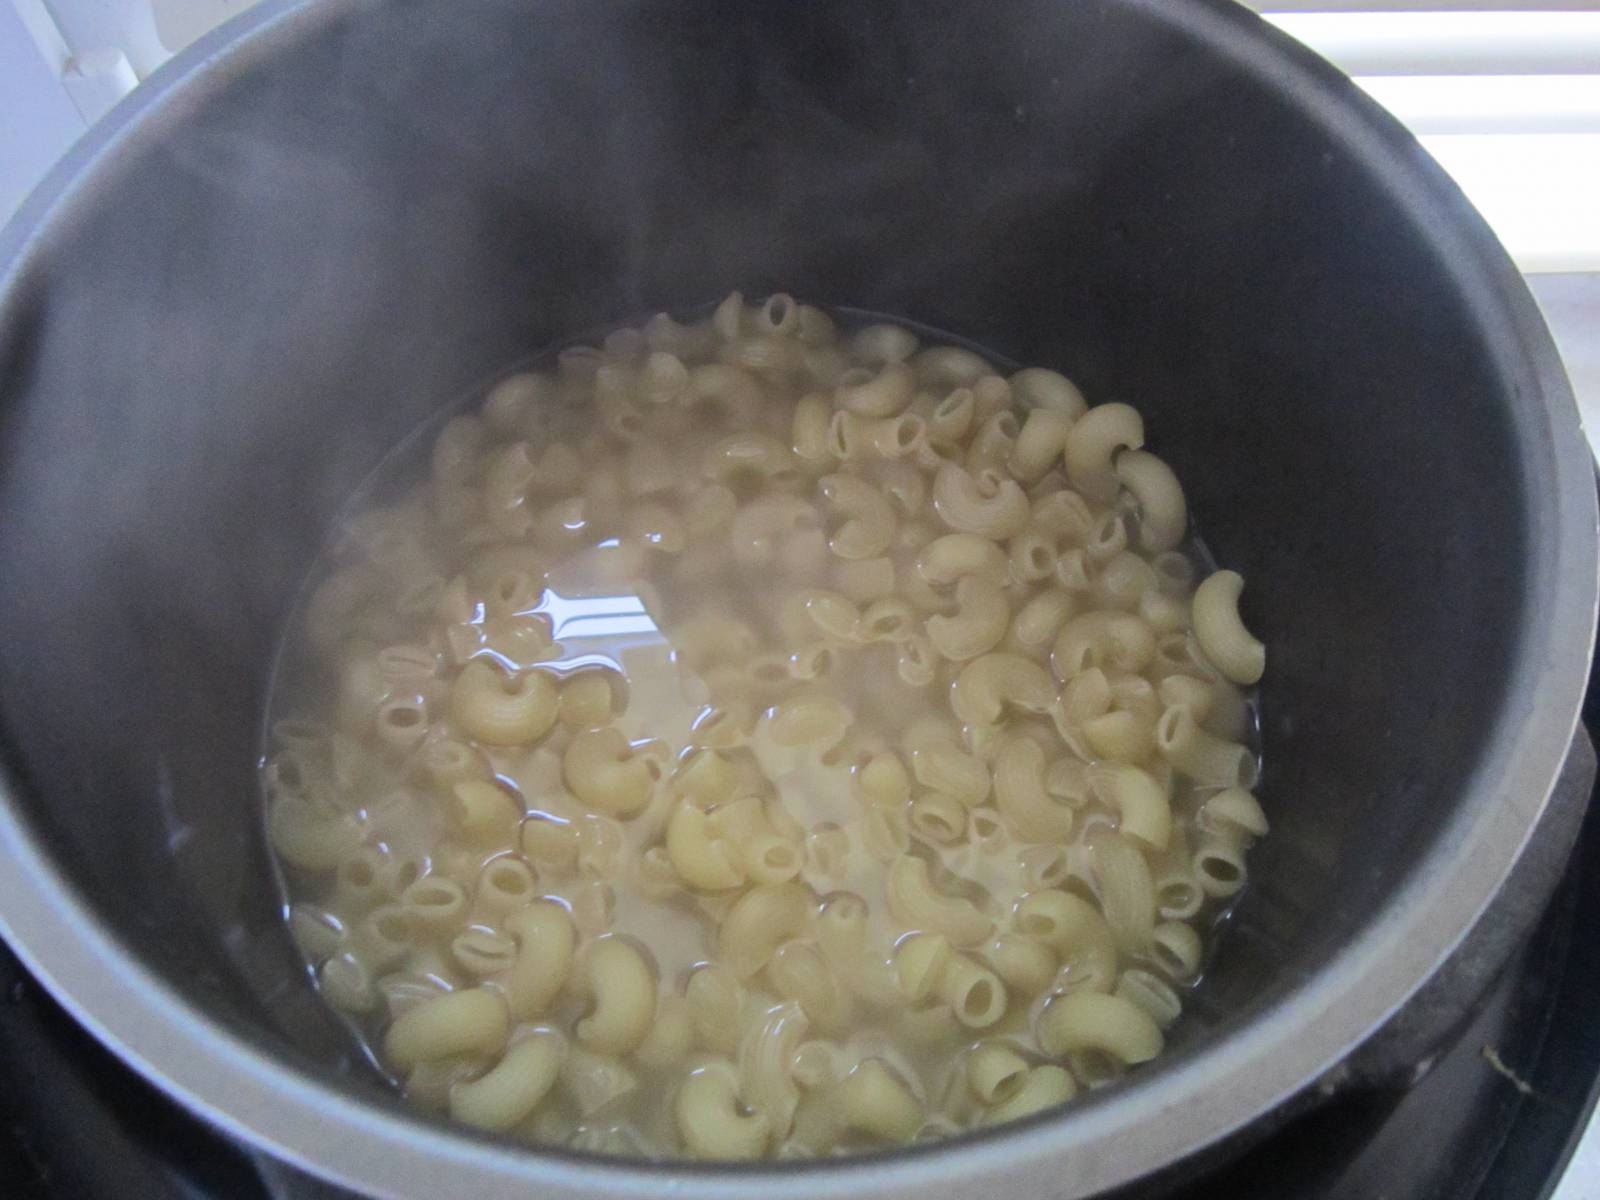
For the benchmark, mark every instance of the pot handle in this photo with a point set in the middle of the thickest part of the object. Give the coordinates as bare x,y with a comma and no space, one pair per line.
1404,1049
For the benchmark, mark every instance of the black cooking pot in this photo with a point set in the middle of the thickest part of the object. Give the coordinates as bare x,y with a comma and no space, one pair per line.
315,228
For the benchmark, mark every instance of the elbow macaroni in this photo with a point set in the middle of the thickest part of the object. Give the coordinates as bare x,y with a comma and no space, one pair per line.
743,718
1221,632
624,990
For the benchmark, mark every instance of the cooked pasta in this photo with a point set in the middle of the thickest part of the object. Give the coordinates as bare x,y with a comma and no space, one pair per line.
513,1087
762,737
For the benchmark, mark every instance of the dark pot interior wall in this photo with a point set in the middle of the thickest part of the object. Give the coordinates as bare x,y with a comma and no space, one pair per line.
255,299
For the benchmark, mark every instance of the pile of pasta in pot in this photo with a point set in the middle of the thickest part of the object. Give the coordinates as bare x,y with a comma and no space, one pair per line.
756,738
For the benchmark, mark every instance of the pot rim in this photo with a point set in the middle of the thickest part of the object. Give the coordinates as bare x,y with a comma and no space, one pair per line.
1113,1138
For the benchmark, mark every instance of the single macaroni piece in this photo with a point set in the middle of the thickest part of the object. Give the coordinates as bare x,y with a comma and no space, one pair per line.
623,986
1233,812
716,1002
1186,691
1024,963
877,1102
483,952
809,430
943,766
307,837
952,417
436,905
1221,632
315,930
701,859
885,831
472,1021
1078,933
769,858
938,817
884,780
991,447
748,452
888,619
603,772
1207,760
347,984
826,850
502,710
1165,614
545,936
1035,625
706,777
1127,893
1020,794
974,993
995,1072
1043,1087
1141,802
1065,515
403,721
876,395
588,699
866,520
1148,991
948,559
1175,948
764,917
383,937
672,1035
1178,894
988,685
948,366
1123,583
664,380
483,813
1115,641
987,503
1092,449
882,343
550,841
1038,387
509,402
799,971
766,1066
980,621
830,614
1082,1022
509,1092
596,1083
710,1120
905,486
919,963
762,528
1040,443
1219,865
842,938
818,721
917,904
1157,497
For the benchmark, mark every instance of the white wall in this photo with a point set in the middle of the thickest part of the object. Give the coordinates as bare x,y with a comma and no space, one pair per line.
37,120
